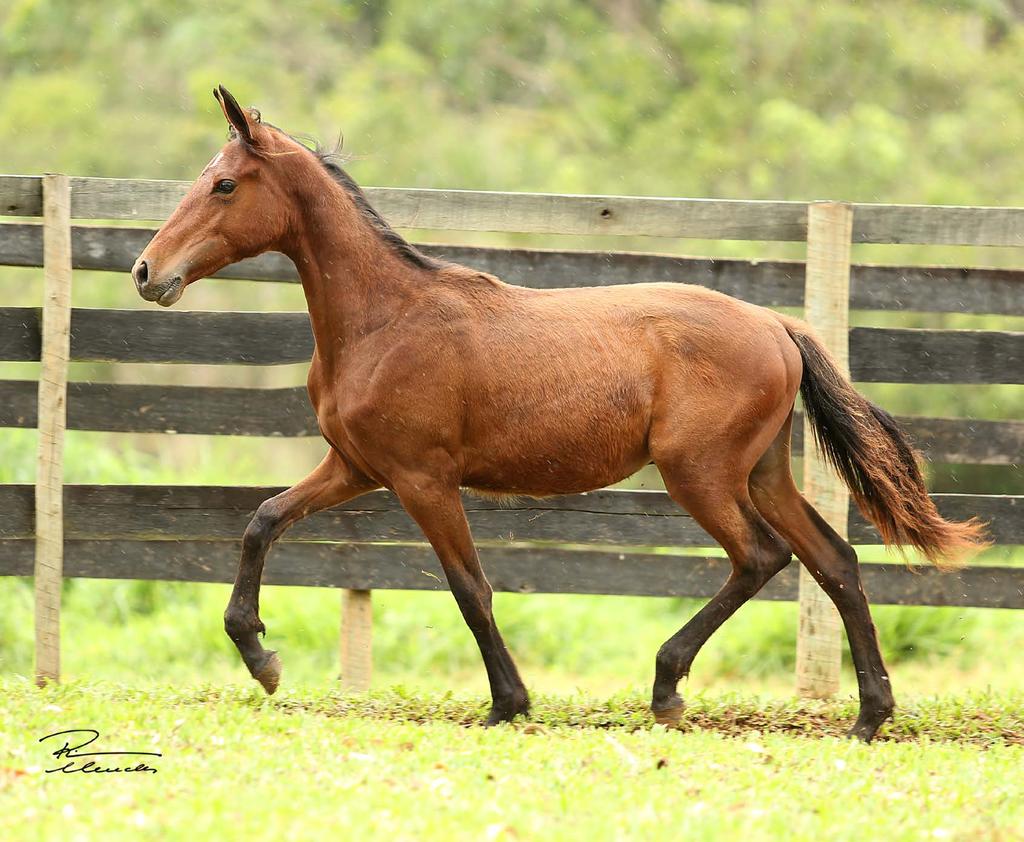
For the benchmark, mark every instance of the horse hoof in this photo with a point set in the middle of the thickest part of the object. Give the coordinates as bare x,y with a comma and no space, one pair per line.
859,734
670,718
269,675
869,721
864,731
668,709
508,711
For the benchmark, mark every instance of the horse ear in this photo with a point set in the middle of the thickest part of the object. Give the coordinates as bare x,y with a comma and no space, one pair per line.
235,114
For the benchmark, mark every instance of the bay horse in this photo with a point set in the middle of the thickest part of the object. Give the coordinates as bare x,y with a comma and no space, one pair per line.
429,377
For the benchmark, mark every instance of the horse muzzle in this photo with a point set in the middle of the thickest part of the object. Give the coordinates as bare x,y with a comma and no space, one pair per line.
165,292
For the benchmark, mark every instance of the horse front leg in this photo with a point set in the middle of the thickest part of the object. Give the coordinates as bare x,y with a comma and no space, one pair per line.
437,508
332,482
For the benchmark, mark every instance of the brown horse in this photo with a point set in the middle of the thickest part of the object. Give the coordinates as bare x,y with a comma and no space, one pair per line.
429,377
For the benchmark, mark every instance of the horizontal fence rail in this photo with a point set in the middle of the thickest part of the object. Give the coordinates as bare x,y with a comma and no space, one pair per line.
771,283
542,213
609,517
877,355
516,570
216,410
191,534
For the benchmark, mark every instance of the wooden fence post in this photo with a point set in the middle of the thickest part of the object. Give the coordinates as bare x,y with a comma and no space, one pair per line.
356,640
53,379
827,308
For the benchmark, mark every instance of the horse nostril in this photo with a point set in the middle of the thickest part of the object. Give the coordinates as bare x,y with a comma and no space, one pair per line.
141,273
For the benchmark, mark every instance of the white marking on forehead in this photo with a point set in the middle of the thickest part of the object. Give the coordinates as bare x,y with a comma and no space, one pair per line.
216,158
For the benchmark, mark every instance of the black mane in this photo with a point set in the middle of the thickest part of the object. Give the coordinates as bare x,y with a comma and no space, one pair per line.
330,160
398,244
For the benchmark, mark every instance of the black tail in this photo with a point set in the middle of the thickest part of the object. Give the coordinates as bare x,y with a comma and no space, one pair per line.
876,460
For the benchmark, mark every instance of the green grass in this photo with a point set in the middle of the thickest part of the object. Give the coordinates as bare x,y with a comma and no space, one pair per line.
237,765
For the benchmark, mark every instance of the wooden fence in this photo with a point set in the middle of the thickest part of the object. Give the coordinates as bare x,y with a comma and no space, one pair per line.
193,533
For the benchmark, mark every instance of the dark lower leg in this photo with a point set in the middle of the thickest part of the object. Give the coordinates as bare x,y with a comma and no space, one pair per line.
508,693
838,574
757,553
833,564
241,617
677,653
440,515
331,483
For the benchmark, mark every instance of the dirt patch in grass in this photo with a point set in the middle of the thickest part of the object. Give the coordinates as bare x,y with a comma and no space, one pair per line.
976,720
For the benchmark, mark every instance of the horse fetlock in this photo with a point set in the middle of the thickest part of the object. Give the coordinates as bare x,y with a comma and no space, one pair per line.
669,667
241,623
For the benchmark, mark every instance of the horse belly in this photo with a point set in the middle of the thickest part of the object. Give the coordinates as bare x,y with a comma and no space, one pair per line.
569,440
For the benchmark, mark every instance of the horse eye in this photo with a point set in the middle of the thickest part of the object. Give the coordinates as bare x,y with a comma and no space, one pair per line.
225,185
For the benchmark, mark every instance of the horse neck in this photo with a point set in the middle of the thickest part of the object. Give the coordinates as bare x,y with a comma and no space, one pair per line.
354,283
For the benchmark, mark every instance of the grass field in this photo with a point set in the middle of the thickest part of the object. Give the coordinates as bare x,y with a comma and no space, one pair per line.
236,765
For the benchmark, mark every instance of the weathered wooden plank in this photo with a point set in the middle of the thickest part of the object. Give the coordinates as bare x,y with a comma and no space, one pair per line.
937,289
965,440
52,419
1003,514
827,303
205,410
191,337
903,355
110,249
222,513
938,225
608,517
772,283
892,355
21,195
176,336
131,408
539,213
20,334
516,570
470,210
120,198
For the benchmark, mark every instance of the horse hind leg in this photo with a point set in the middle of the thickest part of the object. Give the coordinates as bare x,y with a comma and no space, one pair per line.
755,549
833,563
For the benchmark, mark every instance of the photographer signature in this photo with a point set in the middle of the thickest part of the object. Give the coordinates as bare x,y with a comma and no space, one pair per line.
74,756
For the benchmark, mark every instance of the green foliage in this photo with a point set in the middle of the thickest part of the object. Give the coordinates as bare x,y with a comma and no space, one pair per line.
865,101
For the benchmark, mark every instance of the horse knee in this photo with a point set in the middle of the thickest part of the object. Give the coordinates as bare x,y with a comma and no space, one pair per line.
263,528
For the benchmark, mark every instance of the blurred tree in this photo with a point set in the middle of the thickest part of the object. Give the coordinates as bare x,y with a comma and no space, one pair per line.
861,100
